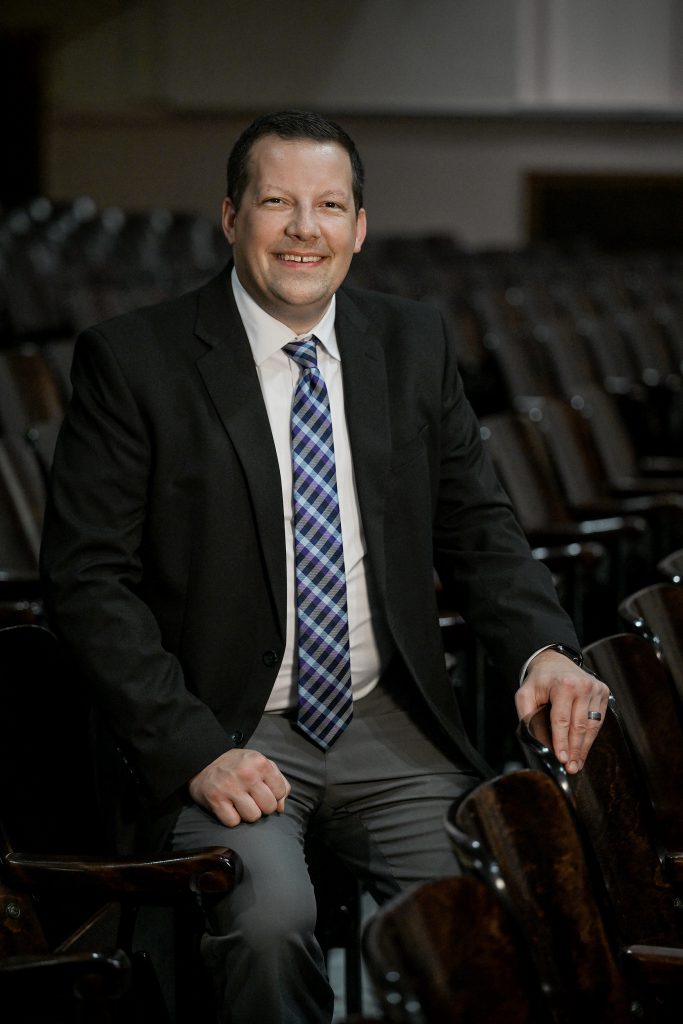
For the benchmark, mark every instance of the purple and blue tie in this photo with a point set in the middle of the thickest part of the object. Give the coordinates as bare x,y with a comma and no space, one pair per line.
325,700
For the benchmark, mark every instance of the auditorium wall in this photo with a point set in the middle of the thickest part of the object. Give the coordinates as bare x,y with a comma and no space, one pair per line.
453,102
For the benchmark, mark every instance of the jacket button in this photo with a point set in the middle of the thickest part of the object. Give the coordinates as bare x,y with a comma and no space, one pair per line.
270,658
237,736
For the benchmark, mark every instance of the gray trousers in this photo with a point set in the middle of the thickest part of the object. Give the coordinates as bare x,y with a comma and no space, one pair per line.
378,798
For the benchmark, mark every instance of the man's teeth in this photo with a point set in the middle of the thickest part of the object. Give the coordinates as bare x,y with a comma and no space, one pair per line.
299,259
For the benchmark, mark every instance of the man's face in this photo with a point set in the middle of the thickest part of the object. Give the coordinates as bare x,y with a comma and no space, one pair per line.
296,230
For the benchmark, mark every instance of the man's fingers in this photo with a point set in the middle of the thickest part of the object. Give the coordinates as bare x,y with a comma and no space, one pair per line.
227,814
253,804
587,715
577,740
560,722
275,780
527,701
248,806
240,785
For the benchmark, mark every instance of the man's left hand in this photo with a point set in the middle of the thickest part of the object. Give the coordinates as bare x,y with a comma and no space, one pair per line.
554,679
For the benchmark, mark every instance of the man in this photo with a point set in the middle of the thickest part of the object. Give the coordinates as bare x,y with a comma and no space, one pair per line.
178,567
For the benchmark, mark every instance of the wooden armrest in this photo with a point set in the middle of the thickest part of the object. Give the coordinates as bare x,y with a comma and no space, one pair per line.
36,978
213,869
655,965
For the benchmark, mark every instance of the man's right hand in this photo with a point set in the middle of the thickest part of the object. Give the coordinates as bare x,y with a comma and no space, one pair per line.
240,785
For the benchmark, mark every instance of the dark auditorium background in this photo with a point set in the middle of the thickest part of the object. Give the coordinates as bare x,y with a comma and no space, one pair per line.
460,107
524,167
524,171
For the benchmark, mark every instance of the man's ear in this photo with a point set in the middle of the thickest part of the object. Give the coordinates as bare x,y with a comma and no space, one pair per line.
228,219
361,229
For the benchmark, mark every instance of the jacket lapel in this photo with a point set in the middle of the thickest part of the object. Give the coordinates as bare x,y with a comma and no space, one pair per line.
228,371
229,374
367,416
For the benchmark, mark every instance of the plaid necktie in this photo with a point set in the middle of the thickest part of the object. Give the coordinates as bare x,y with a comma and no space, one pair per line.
325,701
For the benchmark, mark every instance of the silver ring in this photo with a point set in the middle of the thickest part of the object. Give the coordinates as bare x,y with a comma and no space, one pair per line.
594,716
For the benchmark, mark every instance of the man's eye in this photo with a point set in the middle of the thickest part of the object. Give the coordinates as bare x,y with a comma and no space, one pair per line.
273,200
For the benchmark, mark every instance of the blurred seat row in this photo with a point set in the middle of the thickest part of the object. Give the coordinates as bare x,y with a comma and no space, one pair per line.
66,265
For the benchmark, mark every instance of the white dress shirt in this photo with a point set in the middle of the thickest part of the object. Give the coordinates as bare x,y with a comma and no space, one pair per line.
278,374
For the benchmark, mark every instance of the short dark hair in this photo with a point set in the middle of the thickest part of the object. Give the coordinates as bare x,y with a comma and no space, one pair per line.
290,124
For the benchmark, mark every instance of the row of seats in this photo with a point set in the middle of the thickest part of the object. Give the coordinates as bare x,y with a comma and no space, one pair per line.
568,906
66,265
544,321
576,480
569,898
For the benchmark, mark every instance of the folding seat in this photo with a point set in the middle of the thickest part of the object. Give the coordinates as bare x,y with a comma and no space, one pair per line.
71,895
578,462
640,890
651,717
529,477
519,832
656,612
448,951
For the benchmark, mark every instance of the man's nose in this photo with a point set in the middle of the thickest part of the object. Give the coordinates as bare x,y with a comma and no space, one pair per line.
304,222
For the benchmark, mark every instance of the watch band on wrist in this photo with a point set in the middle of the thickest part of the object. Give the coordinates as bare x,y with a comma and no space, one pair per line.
569,652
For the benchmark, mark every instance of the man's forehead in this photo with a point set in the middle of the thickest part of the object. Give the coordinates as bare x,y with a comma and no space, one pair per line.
274,149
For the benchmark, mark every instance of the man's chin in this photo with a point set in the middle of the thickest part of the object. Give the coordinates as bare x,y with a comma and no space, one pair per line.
301,302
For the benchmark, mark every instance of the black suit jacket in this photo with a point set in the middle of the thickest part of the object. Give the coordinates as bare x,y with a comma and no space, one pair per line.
164,554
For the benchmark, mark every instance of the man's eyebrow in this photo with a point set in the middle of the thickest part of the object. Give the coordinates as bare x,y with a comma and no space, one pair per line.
331,193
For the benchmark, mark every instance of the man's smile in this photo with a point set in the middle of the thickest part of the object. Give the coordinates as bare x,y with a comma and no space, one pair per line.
293,258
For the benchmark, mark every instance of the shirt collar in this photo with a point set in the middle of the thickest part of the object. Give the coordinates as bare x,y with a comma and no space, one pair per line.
267,335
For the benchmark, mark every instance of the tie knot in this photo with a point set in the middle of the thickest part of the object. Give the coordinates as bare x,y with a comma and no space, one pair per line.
303,352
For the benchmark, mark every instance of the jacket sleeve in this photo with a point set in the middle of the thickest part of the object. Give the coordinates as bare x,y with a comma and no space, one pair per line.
480,551
93,577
